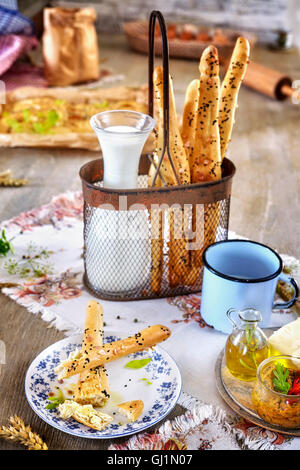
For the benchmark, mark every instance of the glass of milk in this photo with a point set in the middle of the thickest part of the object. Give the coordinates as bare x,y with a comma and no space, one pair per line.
118,243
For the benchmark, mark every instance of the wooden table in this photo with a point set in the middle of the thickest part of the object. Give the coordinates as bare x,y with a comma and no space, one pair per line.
265,205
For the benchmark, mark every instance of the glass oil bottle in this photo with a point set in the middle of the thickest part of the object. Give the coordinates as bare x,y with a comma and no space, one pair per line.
247,345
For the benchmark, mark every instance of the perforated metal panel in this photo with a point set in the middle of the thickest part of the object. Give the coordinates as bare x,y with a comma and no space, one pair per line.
148,253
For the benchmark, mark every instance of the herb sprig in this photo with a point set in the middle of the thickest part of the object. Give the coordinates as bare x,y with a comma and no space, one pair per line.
138,363
32,264
55,400
5,245
280,382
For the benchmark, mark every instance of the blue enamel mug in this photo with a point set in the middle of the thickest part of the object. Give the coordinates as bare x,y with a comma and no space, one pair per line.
241,274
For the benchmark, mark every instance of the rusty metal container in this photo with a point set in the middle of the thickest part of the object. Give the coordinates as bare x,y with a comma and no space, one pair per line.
212,200
168,250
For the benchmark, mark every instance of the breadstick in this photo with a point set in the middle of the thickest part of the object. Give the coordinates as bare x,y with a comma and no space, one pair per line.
230,90
159,140
156,240
156,221
110,352
178,254
92,387
206,157
189,118
157,251
177,150
188,133
174,277
208,226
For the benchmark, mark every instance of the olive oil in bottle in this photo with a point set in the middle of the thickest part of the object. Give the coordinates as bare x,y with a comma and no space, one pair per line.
247,346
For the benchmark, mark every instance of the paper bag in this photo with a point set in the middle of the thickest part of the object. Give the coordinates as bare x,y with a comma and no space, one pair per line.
70,46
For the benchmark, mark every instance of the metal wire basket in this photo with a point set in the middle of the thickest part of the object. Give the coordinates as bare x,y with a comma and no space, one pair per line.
144,243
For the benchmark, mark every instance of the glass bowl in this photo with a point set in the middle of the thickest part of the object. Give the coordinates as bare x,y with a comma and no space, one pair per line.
274,407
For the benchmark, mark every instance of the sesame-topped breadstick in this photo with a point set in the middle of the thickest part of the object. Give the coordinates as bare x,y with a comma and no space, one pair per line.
155,215
178,253
145,339
230,90
165,168
92,387
177,149
189,117
156,219
206,158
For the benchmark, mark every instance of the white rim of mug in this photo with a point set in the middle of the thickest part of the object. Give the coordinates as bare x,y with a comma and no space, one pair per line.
237,279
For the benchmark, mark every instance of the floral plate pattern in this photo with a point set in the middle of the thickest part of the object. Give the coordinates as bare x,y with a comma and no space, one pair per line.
158,384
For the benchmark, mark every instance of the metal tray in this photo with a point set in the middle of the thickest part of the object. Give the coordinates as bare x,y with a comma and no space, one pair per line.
237,394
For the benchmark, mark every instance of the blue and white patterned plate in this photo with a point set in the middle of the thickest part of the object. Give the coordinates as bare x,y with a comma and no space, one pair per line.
158,384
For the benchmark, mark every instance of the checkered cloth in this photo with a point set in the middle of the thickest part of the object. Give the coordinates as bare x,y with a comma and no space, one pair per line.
11,20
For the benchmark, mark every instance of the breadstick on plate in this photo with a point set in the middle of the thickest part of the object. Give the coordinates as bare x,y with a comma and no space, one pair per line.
131,409
145,339
189,118
230,90
92,387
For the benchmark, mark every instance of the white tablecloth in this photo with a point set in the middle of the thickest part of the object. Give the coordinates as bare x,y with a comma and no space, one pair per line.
61,298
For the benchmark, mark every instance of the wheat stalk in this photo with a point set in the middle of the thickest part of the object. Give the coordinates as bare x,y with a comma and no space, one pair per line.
18,432
7,179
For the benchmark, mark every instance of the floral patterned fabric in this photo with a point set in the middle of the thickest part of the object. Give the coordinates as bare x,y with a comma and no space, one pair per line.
45,276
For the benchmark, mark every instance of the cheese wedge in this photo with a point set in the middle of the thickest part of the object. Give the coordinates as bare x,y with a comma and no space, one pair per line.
84,414
286,340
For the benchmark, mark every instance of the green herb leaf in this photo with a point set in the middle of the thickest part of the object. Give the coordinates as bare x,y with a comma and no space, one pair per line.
280,382
59,102
55,400
51,406
26,115
14,124
144,379
138,363
39,128
46,121
5,245
51,118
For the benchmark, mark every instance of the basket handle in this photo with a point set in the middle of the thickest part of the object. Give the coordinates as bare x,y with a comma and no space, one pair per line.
156,15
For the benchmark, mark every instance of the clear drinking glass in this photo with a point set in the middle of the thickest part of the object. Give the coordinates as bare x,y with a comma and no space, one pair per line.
122,135
117,242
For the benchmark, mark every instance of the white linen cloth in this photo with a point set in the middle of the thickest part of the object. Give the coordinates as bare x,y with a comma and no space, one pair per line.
61,298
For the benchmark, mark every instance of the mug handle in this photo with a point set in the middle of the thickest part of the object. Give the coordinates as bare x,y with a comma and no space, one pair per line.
291,281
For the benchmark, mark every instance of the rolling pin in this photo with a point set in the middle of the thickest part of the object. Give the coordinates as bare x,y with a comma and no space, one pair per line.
269,82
